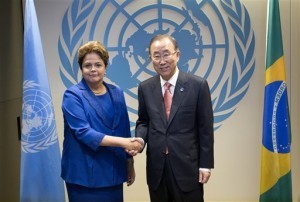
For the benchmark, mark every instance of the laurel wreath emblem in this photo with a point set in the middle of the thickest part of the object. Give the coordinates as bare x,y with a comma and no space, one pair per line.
73,30
234,88
34,147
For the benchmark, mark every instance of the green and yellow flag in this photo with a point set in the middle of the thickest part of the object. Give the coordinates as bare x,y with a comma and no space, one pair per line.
276,182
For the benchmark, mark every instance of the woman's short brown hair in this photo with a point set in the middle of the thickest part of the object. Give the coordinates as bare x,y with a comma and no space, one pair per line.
92,47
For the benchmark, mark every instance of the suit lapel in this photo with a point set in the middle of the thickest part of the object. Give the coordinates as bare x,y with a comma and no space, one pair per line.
158,98
115,97
179,95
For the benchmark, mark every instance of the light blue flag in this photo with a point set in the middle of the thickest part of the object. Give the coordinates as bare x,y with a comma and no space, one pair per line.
40,156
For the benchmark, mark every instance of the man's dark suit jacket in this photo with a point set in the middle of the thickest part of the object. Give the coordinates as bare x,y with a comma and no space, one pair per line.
188,134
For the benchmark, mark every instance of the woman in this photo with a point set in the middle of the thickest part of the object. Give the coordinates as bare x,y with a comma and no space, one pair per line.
96,133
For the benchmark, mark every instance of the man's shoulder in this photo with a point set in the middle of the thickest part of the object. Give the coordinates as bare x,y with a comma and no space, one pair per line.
150,81
191,77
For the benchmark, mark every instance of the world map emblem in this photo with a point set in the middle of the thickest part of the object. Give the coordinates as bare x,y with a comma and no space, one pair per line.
38,122
215,39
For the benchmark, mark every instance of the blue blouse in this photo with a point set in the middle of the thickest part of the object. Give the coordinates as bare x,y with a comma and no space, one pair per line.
108,106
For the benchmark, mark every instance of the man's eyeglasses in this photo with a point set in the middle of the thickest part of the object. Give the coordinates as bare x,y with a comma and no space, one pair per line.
166,56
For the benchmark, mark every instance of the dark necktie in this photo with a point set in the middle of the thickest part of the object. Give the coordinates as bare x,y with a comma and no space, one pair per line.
167,98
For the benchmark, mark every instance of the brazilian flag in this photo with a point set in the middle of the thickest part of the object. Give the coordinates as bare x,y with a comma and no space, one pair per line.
276,182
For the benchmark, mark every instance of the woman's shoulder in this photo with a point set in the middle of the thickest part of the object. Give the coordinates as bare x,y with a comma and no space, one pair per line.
73,88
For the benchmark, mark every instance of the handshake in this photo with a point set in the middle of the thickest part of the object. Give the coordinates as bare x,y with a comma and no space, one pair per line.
134,145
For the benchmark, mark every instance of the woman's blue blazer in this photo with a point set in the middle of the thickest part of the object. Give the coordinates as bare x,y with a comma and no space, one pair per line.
84,162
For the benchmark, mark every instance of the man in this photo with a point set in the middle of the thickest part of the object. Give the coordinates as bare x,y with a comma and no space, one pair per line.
179,141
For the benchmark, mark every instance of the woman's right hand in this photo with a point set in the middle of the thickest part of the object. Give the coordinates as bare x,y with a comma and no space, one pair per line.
133,144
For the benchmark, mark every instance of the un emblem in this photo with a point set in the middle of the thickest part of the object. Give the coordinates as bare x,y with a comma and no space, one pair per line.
38,122
217,48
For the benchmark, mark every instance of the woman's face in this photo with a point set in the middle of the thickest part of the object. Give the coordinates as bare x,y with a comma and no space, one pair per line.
93,69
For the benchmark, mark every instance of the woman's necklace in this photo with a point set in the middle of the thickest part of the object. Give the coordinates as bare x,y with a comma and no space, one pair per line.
100,92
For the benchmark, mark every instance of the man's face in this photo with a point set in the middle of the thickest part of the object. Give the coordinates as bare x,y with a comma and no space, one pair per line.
164,57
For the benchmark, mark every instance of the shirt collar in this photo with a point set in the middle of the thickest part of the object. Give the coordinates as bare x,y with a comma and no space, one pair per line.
172,80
